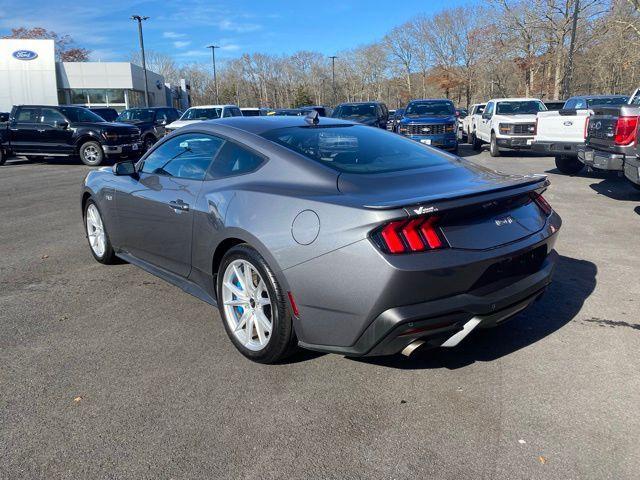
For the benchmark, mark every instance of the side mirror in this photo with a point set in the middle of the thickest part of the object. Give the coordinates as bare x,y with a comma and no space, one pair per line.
127,168
162,122
62,125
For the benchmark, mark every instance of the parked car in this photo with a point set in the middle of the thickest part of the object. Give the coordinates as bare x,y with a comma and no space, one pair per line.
286,112
431,122
204,112
508,123
561,133
254,112
151,121
554,105
42,130
373,114
109,114
470,122
394,119
612,140
335,238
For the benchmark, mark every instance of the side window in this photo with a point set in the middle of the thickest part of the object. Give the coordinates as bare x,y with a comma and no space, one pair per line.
580,103
28,115
236,112
185,156
488,111
569,104
234,160
227,113
50,115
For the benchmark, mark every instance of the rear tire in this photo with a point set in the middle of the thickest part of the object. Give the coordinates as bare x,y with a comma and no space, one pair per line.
259,297
494,151
568,165
91,153
476,142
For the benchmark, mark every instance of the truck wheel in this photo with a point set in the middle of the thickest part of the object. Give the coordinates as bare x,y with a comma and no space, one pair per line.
568,165
148,142
91,153
494,151
476,142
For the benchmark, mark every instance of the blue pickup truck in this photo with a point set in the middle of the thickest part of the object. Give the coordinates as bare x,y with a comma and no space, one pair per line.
431,122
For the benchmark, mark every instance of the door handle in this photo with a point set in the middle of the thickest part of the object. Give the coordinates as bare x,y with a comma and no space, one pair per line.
179,205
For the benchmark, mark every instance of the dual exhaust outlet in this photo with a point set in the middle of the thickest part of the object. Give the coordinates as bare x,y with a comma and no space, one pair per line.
452,341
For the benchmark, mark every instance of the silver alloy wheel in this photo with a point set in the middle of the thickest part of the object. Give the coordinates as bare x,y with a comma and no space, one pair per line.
247,306
90,153
95,231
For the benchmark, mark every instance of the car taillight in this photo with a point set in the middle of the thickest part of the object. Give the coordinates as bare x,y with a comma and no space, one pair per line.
542,203
625,132
418,234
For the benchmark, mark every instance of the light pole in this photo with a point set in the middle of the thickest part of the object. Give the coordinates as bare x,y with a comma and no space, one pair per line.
333,77
139,19
566,87
215,78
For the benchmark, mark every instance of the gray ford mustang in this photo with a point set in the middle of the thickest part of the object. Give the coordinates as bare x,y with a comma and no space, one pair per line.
326,234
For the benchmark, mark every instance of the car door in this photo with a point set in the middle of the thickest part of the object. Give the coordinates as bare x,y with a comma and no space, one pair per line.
55,132
25,133
484,126
154,208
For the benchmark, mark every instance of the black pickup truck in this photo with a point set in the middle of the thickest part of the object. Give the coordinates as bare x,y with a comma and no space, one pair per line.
44,131
612,141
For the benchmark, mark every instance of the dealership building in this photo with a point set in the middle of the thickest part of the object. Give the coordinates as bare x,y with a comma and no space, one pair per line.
30,74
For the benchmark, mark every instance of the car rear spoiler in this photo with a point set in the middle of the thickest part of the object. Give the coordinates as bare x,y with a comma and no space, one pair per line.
428,204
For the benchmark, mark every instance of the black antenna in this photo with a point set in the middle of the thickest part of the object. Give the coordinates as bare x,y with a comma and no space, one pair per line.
312,118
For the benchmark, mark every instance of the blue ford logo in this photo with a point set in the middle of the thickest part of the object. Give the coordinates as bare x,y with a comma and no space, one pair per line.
24,55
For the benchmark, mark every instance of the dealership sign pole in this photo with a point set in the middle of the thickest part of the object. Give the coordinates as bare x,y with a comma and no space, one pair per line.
139,19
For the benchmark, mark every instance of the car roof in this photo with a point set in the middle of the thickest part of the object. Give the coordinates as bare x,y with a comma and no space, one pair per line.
360,103
515,99
258,125
213,106
587,97
430,100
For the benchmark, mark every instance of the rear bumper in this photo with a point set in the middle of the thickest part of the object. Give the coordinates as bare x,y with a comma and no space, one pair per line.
601,160
557,148
442,301
516,143
632,169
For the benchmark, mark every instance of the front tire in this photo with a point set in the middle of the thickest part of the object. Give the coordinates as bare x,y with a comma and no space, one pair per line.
568,165
91,153
494,151
476,142
99,242
253,307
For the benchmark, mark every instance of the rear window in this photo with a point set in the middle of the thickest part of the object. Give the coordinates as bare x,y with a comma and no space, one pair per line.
356,148
355,111
592,102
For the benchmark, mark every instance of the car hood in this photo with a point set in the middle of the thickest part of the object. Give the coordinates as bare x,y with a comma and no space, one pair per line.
429,119
526,118
453,179
182,123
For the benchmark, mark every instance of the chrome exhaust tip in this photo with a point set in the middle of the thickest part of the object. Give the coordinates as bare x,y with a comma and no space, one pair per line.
412,347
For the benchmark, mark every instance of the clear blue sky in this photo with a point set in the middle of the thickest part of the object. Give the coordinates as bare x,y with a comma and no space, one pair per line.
184,28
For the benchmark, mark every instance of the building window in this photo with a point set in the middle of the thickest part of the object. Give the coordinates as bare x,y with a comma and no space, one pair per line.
115,96
79,97
97,96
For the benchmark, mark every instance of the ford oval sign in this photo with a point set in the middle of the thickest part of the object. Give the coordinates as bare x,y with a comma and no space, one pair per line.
24,55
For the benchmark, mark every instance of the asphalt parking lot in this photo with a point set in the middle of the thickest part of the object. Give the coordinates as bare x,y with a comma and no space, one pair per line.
108,372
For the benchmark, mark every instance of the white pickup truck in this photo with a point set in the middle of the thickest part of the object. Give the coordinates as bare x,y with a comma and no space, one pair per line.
561,133
471,120
507,123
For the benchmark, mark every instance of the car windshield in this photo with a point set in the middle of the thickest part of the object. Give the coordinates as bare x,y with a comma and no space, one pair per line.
201,114
76,114
524,107
249,112
480,108
592,102
356,148
355,111
418,109
137,115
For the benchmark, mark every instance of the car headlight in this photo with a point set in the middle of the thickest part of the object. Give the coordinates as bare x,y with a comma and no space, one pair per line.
505,128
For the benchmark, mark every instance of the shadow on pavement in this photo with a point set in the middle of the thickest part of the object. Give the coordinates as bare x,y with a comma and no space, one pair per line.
574,281
617,189
57,161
